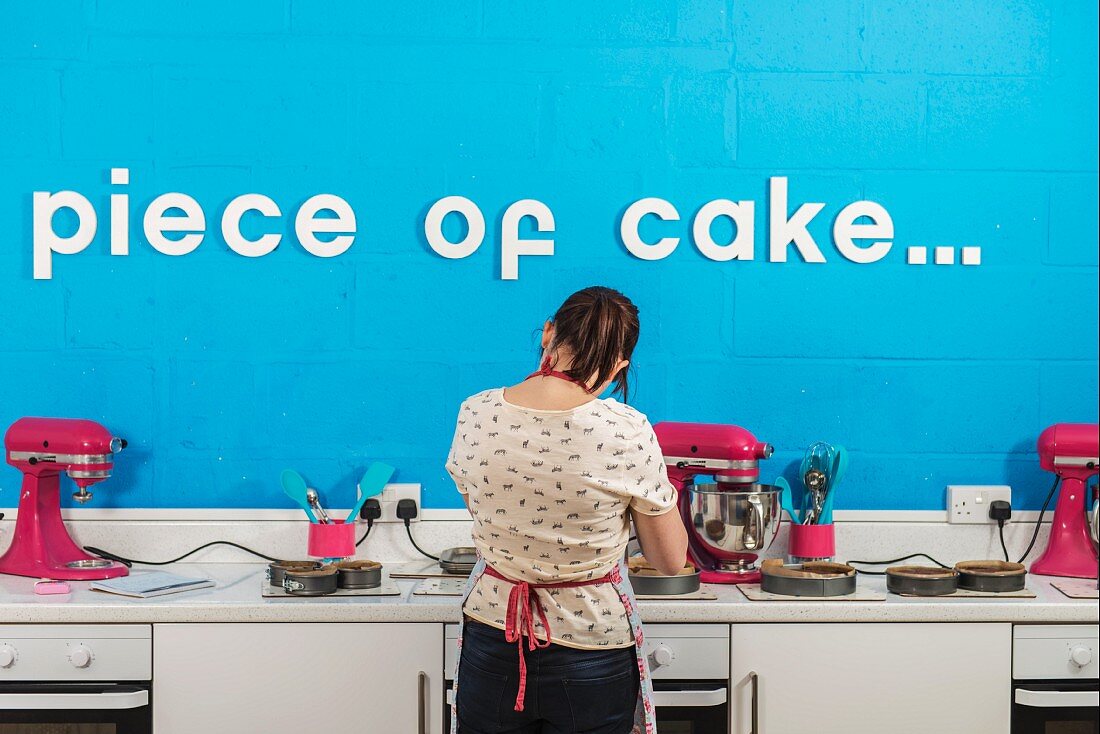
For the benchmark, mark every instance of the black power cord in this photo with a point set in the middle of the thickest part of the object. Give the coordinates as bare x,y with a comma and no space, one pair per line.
371,511
1000,511
131,561
1039,522
406,510
893,560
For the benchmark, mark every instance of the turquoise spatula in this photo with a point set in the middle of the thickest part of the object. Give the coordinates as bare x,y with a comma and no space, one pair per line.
373,482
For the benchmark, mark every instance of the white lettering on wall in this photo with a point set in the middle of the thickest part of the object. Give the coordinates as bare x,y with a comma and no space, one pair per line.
741,247
307,225
475,227
231,225
861,242
512,246
46,240
784,230
158,221
628,229
846,231
120,214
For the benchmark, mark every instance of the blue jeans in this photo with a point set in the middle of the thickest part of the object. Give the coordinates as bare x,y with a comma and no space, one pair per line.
568,690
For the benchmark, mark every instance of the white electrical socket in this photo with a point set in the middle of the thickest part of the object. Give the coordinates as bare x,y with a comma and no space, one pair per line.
969,504
390,496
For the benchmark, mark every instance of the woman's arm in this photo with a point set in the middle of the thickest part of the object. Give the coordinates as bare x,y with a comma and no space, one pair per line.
663,539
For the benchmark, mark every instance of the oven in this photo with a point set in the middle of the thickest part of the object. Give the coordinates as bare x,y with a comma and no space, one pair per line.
690,667
1055,685
76,679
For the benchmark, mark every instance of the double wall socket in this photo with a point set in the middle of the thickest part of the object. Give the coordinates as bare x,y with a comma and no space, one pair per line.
969,504
394,492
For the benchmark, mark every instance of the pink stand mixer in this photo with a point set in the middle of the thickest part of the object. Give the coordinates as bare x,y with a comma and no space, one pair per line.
733,520
1071,451
42,448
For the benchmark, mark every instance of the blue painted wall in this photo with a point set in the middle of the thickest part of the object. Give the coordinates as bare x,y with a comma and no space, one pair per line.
972,123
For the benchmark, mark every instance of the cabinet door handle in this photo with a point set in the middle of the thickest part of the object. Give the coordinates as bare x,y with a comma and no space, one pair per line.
421,703
755,710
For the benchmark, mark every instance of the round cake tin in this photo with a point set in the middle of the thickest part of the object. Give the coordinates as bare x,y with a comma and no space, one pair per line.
314,582
921,580
358,574
276,570
996,576
653,584
810,579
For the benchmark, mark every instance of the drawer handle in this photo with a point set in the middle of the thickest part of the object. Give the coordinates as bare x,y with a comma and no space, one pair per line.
754,679
1056,699
421,703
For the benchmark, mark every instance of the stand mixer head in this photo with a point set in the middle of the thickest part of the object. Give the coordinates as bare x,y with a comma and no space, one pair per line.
733,520
43,448
1072,451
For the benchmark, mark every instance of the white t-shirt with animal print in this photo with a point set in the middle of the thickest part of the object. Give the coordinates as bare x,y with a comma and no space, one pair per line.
549,491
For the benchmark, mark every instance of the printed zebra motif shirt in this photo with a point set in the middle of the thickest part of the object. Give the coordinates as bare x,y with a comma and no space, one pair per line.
550,491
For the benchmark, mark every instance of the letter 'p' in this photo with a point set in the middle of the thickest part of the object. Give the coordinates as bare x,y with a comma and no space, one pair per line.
47,241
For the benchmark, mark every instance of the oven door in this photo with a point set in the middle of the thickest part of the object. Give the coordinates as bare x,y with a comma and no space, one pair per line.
1055,707
696,707
75,708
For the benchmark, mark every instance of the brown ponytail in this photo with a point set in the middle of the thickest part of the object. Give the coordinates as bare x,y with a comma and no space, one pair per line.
599,327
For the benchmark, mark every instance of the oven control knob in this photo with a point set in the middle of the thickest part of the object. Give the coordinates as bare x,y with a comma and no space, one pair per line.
7,656
1081,656
660,657
81,657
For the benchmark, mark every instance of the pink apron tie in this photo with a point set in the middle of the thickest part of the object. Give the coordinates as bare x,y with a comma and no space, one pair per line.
519,622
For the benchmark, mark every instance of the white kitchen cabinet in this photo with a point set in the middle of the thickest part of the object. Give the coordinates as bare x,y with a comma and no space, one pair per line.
297,678
871,678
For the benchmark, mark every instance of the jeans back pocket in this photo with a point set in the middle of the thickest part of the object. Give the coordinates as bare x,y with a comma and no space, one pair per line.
602,705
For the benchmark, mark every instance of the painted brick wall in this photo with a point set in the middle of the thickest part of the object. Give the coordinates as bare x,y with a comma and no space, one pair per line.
972,122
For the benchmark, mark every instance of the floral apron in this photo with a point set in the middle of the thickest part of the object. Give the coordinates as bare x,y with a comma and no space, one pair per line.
645,721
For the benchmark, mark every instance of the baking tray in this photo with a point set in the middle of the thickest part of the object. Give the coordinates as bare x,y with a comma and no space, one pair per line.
753,592
421,570
458,560
1024,593
1077,588
387,588
441,587
697,595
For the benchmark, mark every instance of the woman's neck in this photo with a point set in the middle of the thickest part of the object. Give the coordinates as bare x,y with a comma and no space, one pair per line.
543,392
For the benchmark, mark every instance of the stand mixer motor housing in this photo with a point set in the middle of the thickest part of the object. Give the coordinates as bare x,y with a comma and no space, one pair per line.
735,519
1071,451
43,448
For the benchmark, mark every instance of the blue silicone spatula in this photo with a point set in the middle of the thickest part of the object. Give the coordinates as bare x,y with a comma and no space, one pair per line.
373,482
786,499
295,488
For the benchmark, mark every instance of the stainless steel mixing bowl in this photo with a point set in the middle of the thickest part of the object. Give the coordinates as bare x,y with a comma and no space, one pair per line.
735,521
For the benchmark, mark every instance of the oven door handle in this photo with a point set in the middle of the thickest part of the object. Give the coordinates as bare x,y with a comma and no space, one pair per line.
73,701
1056,699
692,699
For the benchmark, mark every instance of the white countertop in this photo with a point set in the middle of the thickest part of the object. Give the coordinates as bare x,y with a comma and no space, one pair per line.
236,598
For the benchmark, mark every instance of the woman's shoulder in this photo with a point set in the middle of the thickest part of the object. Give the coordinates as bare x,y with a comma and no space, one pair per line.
484,398
632,417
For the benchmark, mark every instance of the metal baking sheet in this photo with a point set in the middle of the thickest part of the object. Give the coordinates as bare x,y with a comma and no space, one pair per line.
425,569
753,592
1077,588
388,588
698,595
441,587
971,594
